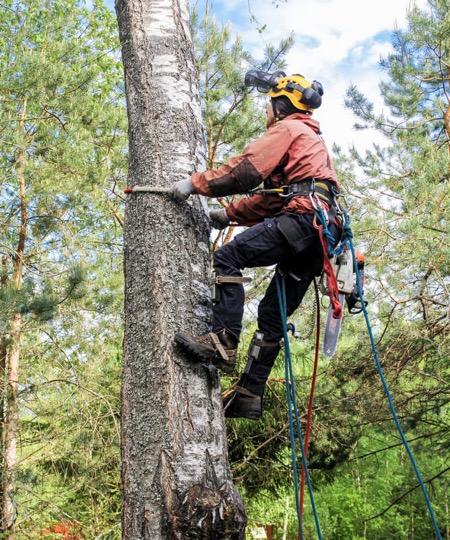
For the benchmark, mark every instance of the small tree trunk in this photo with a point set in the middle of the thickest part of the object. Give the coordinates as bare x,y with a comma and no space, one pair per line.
3,384
447,126
176,479
3,387
11,429
11,425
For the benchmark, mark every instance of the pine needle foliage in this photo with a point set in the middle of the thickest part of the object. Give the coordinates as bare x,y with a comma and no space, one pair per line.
63,114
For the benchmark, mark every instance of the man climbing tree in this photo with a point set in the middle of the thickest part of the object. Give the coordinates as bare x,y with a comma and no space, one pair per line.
175,473
293,162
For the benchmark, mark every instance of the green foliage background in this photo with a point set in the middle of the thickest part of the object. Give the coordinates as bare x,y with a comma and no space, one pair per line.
62,57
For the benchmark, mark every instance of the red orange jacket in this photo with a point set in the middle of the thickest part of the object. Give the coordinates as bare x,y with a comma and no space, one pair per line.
290,150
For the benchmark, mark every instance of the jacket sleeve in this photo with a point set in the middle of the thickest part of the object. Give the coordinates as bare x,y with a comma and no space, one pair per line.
250,210
248,170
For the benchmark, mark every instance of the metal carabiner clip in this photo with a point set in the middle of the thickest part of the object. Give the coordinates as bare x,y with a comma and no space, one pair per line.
336,194
317,206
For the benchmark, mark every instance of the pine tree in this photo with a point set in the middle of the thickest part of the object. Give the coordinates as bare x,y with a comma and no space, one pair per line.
399,194
62,128
406,190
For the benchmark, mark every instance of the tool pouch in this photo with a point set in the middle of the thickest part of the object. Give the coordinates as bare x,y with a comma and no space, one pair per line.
298,233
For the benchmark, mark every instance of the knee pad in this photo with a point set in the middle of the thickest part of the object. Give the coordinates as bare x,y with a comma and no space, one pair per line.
261,355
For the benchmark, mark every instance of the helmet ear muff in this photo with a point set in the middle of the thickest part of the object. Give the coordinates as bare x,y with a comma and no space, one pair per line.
313,96
303,95
317,87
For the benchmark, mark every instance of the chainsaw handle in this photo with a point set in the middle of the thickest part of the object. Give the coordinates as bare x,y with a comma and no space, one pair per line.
354,303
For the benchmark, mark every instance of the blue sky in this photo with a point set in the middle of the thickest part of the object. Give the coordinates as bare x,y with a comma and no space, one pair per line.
338,42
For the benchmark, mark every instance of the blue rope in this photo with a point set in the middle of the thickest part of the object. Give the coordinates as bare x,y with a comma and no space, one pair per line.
346,240
377,361
347,233
294,417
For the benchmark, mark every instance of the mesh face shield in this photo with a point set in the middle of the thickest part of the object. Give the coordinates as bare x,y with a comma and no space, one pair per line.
263,81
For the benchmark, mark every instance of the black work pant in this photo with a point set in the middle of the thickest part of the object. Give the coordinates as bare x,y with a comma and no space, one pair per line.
300,258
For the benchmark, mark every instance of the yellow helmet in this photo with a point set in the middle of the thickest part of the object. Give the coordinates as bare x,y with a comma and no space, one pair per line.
301,93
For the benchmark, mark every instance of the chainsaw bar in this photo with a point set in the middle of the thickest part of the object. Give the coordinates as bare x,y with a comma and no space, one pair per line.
332,329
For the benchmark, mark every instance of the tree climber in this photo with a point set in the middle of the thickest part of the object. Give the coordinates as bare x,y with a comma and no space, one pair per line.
290,155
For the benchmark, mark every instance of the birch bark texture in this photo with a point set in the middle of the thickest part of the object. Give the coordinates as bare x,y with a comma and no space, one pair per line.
176,479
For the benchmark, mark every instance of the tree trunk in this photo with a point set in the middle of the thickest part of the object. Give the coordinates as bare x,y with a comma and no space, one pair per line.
176,479
11,424
11,429
3,383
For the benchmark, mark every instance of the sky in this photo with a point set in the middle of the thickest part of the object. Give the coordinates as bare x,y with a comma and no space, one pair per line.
338,42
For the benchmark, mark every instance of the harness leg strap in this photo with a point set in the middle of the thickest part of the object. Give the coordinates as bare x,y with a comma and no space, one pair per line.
225,280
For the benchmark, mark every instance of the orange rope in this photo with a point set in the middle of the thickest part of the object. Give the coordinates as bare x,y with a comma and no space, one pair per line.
311,394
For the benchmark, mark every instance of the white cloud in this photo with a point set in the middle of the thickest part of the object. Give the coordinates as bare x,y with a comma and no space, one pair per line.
337,24
350,42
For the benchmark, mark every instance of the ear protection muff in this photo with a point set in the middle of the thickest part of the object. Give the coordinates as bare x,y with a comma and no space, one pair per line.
311,96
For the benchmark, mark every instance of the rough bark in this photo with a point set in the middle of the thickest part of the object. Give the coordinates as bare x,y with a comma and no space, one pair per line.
176,479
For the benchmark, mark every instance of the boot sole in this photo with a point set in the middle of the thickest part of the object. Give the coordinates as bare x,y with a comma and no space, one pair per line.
202,357
187,345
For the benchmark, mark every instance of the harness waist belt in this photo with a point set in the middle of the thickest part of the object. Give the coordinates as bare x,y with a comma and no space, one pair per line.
324,189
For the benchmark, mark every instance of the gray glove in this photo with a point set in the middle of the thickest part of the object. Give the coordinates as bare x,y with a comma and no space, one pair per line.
219,218
182,189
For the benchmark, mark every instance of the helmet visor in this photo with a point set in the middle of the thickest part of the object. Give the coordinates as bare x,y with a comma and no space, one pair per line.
261,80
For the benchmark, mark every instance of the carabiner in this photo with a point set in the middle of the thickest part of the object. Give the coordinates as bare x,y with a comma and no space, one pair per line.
318,207
315,201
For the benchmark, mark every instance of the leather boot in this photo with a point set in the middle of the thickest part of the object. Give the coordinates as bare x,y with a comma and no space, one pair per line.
239,402
218,348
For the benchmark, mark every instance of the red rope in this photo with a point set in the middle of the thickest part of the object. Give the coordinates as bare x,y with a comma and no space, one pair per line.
332,284
311,394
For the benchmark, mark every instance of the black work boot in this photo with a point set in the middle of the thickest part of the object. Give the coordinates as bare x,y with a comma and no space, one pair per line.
241,403
245,399
218,348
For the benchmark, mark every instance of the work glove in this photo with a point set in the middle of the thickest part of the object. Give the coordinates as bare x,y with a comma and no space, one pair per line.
219,218
182,189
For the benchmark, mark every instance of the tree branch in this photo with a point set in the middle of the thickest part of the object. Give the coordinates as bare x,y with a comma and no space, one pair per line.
397,499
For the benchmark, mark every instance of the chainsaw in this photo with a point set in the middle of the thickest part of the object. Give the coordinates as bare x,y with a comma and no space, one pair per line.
343,268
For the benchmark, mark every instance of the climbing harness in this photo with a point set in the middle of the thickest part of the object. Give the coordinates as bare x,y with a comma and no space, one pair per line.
295,431
300,188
